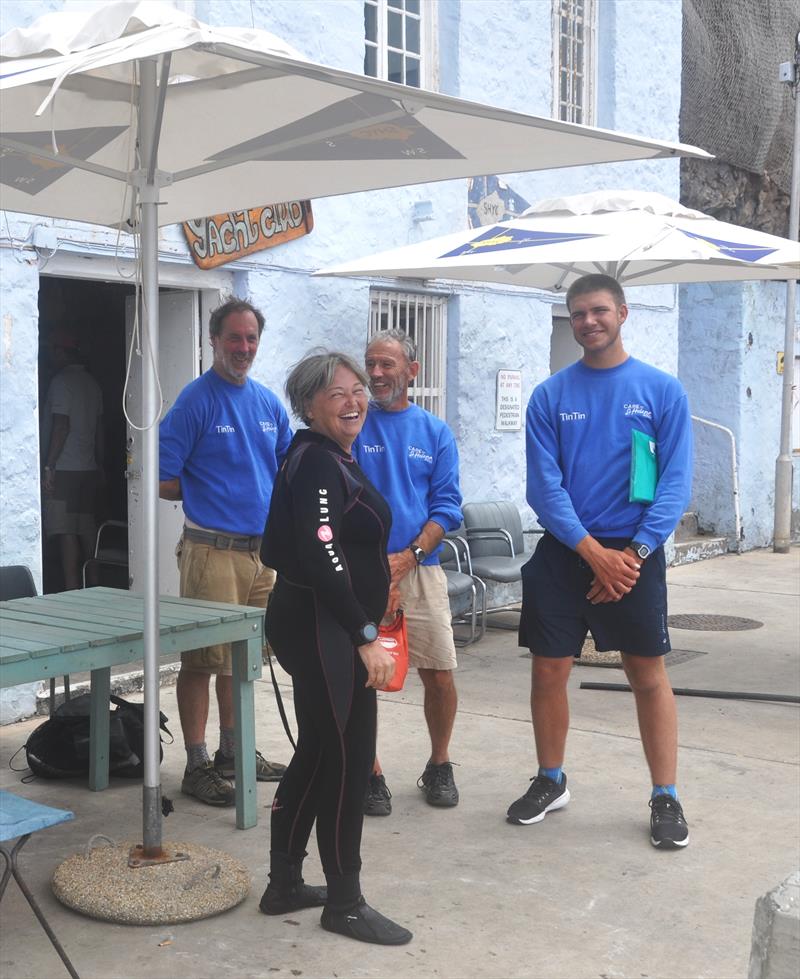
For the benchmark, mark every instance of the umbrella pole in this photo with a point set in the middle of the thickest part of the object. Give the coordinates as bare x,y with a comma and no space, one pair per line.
148,196
782,530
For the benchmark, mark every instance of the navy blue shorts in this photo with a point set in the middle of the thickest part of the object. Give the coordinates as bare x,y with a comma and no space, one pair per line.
556,614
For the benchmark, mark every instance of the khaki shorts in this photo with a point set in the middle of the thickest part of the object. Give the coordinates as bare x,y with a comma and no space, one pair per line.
218,575
428,619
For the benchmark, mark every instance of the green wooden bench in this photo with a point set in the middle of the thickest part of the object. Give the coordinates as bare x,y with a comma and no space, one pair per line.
97,628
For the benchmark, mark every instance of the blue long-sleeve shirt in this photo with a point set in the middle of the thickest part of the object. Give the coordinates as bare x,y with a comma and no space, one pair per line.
578,443
410,456
225,443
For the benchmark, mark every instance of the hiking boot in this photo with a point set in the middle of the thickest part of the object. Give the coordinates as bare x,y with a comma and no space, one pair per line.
365,924
668,827
543,796
378,798
287,891
266,771
438,785
206,784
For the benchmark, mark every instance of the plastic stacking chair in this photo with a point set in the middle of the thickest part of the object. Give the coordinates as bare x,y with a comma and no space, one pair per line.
108,566
496,542
465,591
16,581
19,820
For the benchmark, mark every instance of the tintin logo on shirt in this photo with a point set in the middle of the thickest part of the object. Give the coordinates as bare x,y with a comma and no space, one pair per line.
415,453
636,409
572,416
268,426
369,449
226,430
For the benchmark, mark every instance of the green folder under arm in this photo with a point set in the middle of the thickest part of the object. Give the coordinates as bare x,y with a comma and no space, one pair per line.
644,468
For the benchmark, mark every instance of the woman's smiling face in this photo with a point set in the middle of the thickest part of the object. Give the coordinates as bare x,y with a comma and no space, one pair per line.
338,411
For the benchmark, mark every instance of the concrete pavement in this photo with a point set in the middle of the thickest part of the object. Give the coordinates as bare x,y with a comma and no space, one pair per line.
582,894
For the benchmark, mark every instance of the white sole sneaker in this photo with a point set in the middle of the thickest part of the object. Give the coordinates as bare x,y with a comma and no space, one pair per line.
558,803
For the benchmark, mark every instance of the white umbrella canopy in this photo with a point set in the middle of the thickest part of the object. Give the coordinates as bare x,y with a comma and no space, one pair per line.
242,115
135,116
639,237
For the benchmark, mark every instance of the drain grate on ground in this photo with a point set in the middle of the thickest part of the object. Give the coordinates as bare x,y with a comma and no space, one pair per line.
613,661
712,623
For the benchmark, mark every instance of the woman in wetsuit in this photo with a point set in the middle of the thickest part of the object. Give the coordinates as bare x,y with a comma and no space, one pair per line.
326,537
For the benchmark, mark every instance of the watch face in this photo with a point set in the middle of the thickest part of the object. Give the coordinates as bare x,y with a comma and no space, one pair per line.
369,632
643,551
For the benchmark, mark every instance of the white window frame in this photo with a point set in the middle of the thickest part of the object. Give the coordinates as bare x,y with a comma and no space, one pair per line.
423,316
575,15
428,18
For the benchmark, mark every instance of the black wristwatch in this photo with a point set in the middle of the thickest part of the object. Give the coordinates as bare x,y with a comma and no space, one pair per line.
642,550
366,634
419,554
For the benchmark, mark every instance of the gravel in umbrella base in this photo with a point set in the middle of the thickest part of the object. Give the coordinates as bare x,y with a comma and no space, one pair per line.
100,884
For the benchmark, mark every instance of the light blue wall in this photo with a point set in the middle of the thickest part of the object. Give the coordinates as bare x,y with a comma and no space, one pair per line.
730,334
20,521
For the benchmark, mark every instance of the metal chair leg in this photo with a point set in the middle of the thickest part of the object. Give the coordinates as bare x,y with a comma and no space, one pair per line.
11,869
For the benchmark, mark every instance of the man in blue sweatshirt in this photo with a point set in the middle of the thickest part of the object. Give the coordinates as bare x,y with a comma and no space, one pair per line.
600,564
411,457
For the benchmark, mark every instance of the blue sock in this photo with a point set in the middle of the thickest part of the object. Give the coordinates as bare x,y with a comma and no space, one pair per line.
553,773
664,790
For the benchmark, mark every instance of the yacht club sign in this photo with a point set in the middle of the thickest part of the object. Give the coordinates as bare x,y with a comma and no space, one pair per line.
225,237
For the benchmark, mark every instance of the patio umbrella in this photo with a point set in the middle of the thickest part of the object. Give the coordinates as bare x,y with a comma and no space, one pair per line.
135,118
640,238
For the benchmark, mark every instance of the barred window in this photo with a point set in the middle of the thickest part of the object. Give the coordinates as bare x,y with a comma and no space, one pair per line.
397,37
574,60
424,318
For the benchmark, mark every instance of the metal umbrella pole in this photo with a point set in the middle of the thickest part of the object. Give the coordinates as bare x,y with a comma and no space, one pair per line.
782,529
148,198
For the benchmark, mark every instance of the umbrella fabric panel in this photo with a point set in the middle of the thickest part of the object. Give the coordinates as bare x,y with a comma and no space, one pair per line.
236,101
550,252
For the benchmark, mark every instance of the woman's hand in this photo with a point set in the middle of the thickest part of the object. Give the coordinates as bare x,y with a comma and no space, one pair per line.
379,663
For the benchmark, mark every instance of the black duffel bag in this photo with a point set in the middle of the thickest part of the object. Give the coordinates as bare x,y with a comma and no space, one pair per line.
59,748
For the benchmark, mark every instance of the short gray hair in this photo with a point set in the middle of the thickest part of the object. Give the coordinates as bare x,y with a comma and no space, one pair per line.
398,336
314,373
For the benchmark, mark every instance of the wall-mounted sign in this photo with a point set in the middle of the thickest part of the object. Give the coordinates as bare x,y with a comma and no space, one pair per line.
225,237
508,413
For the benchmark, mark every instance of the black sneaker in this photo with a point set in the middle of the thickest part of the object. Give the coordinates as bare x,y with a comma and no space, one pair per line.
668,827
206,784
378,799
543,796
438,785
365,924
266,771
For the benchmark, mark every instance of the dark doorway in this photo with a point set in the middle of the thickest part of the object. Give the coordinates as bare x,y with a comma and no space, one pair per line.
95,313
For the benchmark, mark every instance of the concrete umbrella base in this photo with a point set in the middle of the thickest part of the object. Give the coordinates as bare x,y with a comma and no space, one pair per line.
198,883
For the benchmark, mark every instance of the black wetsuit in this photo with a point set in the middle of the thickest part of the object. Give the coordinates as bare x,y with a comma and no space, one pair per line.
326,537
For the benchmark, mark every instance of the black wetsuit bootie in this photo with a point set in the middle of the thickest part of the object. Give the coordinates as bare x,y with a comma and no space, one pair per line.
287,891
365,924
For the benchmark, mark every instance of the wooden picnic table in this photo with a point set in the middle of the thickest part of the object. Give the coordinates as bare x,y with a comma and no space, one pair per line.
94,629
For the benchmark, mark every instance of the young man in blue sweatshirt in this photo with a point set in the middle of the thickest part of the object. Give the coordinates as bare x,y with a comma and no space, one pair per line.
410,455
600,564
